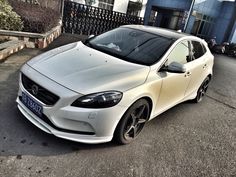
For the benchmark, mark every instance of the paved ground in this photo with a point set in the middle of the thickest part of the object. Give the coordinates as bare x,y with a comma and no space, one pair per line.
188,140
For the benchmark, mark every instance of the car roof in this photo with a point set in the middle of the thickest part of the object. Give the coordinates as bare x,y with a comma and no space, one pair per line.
159,31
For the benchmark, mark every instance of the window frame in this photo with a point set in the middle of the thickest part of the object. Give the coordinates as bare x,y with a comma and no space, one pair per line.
190,55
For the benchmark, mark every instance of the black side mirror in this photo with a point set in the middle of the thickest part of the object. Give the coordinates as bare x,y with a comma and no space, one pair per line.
174,67
89,37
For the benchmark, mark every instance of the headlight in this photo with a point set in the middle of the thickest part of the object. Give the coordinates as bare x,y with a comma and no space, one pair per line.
99,100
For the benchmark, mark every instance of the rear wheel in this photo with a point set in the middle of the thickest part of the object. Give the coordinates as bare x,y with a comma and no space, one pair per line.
202,90
132,122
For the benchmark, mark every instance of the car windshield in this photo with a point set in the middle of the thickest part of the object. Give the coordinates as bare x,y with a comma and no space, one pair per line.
131,45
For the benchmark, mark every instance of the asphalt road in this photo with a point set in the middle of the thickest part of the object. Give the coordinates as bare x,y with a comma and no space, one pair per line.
188,140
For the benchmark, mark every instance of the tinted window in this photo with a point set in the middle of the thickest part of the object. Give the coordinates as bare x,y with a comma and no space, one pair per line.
197,50
180,53
131,45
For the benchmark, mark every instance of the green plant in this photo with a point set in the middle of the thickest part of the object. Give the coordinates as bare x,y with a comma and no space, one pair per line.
9,20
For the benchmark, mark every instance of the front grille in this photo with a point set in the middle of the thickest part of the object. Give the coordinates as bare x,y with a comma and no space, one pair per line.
42,94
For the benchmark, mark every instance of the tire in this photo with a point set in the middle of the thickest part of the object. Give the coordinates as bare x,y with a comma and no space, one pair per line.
202,90
132,122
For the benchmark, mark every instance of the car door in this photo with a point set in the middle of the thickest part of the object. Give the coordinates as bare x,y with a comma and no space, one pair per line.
196,67
174,85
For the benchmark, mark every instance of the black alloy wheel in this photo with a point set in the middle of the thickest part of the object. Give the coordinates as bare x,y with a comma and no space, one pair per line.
132,122
202,90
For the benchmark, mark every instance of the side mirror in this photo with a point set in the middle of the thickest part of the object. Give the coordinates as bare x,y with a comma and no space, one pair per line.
175,67
91,36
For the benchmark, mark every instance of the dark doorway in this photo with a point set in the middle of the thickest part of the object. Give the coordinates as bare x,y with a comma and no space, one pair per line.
166,18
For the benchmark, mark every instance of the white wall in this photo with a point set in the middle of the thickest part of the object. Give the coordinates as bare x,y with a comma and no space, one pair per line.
120,6
143,8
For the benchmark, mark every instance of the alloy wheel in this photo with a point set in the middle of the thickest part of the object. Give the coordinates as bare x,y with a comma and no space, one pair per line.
136,122
132,122
202,90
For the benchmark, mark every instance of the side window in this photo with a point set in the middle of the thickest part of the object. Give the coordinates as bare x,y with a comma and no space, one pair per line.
197,50
179,54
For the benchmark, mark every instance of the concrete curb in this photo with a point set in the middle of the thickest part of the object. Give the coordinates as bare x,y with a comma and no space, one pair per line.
10,47
33,40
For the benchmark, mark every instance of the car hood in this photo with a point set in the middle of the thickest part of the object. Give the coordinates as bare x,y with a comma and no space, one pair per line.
86,70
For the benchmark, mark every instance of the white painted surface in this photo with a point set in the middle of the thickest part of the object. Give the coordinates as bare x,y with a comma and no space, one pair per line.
79,1
120,6
143,8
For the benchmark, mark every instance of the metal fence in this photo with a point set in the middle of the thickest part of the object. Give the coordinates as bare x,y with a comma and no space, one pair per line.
86,20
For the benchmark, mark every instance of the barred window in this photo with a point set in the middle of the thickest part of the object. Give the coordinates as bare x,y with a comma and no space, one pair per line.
106,4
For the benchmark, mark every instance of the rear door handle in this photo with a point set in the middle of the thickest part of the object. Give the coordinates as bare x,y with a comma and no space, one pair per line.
188,73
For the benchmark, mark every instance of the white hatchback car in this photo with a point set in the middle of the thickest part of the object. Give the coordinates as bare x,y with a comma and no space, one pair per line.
110,85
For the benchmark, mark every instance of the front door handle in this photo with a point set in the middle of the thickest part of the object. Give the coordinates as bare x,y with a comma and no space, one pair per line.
188,73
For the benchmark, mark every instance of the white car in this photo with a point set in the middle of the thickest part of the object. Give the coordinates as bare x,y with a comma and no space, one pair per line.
110,85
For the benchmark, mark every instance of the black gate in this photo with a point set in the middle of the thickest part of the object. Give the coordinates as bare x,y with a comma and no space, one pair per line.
86,20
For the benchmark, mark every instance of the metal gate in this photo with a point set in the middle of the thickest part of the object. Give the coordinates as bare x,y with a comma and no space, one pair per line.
86,20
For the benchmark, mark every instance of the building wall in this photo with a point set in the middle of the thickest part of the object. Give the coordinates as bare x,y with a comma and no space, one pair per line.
142,13
206,13
208,7
223,21
171,4
120,6
214,16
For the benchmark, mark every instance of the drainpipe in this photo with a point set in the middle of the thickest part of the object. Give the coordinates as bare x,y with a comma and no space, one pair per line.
189,14
62,8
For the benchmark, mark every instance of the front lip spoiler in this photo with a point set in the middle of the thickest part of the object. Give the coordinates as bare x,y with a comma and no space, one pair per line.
45,119
89,139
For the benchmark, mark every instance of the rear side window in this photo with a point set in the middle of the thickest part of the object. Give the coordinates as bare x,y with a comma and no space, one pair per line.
197,50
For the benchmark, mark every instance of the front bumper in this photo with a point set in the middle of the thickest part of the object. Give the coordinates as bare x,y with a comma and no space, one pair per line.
68,122
90,139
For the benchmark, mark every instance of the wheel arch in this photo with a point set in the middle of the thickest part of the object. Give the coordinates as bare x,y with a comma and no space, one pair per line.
147,98
150,103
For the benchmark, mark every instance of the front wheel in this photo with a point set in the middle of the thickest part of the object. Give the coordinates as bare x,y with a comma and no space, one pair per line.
132,122
202,90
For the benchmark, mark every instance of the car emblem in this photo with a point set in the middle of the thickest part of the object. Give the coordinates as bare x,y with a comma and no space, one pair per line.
35,89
